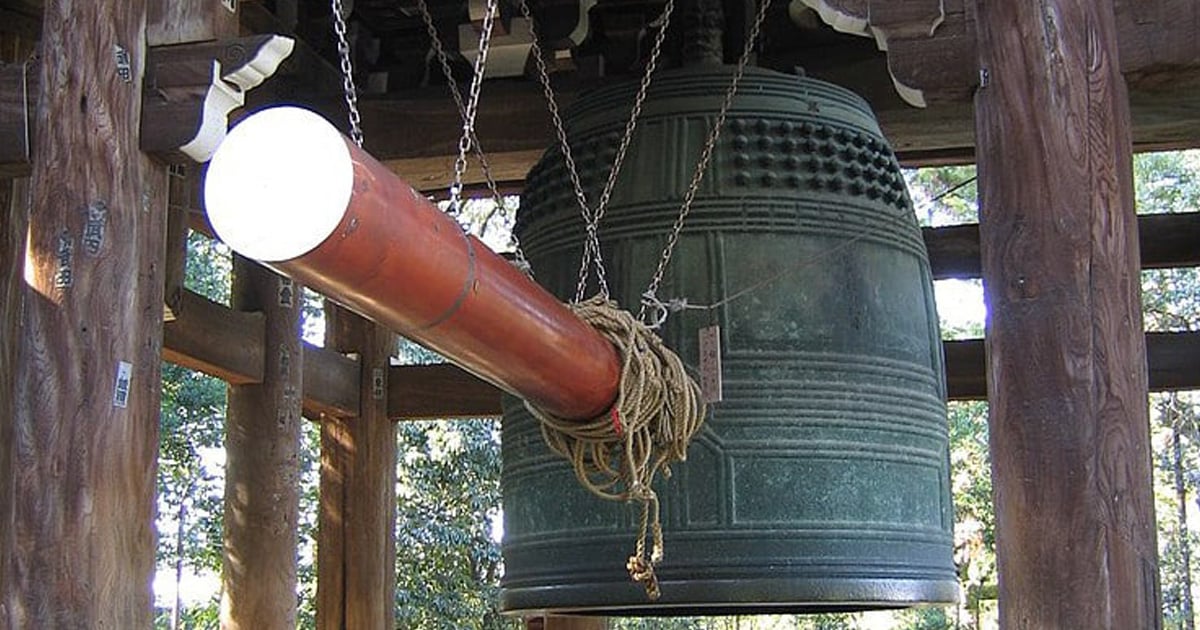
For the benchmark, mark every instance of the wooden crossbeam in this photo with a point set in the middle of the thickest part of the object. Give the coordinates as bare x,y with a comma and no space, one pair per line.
228,344
1167,240
424,392
211,338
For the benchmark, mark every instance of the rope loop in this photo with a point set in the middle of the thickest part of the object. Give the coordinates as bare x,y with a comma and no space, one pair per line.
654,311
618,454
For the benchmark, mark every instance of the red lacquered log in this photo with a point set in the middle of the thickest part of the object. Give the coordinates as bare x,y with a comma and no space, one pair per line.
287,189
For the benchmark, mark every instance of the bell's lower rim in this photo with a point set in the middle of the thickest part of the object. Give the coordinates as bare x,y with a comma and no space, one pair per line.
730,597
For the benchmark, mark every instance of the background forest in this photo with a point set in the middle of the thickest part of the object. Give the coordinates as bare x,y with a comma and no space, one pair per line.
448,493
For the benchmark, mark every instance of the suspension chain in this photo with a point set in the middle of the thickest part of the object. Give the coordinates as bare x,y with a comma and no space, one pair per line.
472,105
444,61
591,218
484,166
348,89
649,297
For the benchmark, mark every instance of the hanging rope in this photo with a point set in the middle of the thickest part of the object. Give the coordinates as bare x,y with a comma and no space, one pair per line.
616,456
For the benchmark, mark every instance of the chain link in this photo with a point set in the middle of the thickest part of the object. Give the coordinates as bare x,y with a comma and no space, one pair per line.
484,166
349,91
591,218
472,106
649,297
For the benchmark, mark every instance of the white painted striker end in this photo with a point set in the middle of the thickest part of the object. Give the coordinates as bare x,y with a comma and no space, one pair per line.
279,184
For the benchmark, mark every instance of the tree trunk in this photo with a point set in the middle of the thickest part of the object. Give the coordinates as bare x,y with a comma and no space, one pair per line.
1067,379
262,470
1184,539
87,380
180,530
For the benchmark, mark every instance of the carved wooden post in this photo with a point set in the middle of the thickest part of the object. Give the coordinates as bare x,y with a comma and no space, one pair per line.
1066,355
356,553
262,470
87,379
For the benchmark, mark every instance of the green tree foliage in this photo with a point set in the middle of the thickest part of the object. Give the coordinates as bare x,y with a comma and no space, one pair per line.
191,439
448,492
1165,183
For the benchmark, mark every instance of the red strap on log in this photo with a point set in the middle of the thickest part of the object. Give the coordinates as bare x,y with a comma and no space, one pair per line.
287,189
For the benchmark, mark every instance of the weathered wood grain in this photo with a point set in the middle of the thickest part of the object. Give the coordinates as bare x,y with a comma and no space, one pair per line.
556,622
1066,358
356,554
175,266
175,21
87,384
228,344
1164,240
14,209
331,385
192,88
18,95
430,392
262,466
445,391
214,339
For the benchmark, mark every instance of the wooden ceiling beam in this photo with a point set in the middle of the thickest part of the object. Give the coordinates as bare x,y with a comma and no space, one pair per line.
417,136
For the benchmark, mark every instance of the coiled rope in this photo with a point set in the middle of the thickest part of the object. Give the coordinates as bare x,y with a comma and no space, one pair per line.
617,455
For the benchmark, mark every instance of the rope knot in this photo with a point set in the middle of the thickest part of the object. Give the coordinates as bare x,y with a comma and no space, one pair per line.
617,455
658,311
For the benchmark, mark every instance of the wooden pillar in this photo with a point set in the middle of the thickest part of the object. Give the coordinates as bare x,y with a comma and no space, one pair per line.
553,622
356,552
262,468
87,380
14,207
1066,355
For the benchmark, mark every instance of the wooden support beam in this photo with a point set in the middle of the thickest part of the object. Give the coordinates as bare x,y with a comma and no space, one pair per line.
87,378
192,88
1173,359
356,554
191,21
331,386
218,341
1165,241
262,469
175,269
557,622
14,211
1069,426
431,392
18,97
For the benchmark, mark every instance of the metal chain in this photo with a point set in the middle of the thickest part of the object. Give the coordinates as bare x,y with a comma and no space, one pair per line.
484,166
348,89
591,218
472,106
649,297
